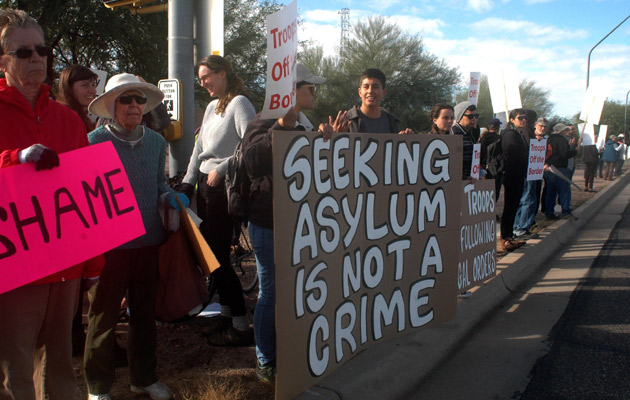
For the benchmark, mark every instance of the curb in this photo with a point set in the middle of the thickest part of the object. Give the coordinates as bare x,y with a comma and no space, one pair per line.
393,369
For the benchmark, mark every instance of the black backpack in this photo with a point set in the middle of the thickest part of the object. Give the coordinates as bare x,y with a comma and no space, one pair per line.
237,186
495,161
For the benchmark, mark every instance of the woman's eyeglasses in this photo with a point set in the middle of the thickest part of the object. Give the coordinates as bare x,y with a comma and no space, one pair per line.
127,99
521,118
25,52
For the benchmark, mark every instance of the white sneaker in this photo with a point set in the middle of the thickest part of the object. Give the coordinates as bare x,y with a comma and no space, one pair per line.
99,397
157,391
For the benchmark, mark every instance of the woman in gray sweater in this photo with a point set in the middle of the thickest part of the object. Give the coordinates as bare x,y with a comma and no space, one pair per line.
223,126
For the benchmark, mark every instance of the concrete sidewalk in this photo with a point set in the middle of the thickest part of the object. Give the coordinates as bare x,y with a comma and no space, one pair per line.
391,369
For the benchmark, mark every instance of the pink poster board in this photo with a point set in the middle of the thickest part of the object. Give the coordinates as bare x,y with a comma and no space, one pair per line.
54,219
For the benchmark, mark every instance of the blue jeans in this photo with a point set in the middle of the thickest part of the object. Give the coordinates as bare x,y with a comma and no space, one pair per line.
265,313
557,188
528,207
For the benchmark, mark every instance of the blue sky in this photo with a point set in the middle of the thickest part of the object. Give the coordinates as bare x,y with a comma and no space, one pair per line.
547,40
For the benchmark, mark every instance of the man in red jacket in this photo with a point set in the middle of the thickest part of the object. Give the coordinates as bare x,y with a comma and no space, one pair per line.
35,339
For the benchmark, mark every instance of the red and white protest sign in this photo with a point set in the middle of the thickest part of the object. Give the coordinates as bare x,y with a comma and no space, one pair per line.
281,58
537,151
473,87
54,219
475,166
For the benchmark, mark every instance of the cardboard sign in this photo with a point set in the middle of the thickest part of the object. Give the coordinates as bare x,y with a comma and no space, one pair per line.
100,87
504,90
281,58
365,246
601,137
477,238
54,219
587,131
100,81
536,163
473,87
594,99
475,166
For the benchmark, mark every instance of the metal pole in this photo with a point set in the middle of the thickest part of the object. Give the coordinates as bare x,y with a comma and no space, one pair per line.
588,63
625,112
202,29
181,66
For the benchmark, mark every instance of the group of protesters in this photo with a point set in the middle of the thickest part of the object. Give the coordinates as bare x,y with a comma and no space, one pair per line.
35,342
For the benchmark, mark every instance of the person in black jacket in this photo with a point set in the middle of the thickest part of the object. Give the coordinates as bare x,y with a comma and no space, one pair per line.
370,117
257,151
492,135
558,154
466,118
515,145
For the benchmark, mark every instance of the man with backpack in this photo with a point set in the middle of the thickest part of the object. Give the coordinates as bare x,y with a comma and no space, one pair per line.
558,155
257,156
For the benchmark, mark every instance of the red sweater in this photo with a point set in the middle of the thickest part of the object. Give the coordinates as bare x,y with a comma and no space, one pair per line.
51,124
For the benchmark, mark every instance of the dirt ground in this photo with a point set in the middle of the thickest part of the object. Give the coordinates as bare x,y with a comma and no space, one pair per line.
198,371
191,367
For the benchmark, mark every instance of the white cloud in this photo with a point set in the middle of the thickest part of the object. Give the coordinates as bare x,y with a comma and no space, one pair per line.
327,36
420,26
528,30
480,5
532,2
325,16
547,54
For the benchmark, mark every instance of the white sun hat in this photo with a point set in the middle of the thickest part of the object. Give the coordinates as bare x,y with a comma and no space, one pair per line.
103,105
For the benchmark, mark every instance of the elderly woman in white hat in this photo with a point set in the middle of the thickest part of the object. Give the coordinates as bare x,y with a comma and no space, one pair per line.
133,267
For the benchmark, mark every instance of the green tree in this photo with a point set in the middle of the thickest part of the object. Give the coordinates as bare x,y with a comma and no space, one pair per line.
535,98
246,43
416,79
87,33
613,116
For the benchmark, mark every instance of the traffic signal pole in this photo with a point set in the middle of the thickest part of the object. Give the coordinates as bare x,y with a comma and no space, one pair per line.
181,67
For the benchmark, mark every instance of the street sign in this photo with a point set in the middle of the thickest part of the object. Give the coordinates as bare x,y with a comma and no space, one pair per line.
172,97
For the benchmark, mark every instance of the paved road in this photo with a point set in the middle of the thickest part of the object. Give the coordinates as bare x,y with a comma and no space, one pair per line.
580,306
590,355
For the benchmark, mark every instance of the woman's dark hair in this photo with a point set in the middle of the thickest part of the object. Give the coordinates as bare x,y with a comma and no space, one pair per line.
435,113
67,78
234,85
437,109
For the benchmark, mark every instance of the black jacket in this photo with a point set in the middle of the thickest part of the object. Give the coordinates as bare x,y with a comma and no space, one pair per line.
257,153
515,152
485,141
558,151
356,123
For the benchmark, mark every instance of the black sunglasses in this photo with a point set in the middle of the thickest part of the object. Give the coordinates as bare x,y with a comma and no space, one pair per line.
24,52
471,116
521,118
127,99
